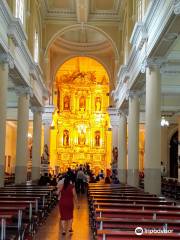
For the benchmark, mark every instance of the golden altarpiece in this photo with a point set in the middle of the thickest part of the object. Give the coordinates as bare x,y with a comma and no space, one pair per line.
81,122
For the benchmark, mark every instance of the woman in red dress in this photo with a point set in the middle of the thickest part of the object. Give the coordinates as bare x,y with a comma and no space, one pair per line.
66,204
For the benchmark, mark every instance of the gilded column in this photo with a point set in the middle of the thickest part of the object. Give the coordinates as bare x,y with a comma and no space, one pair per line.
152,180
36,148
133,141
22,135
4,69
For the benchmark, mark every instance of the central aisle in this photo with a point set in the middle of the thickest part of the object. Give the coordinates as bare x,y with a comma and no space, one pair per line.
51,229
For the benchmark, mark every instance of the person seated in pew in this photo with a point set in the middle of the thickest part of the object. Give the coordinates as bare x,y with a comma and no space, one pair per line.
44,180
54,181
116,180
107,179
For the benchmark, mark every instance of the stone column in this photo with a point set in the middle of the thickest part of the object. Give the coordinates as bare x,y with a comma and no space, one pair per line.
22,135
4,69
47,124
152,180
36,148
122,158
133,141
114,118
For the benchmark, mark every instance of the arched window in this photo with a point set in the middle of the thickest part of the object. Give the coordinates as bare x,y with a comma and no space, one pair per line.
140,7
20,10
36,47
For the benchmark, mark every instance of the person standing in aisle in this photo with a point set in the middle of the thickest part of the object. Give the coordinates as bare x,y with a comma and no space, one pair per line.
66,204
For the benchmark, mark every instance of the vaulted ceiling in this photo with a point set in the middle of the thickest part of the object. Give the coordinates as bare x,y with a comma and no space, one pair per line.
84,28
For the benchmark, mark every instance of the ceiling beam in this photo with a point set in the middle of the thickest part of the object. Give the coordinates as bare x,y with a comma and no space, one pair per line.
82,10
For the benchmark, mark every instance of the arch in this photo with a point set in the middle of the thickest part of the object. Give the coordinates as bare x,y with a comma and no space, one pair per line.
88,56
76,26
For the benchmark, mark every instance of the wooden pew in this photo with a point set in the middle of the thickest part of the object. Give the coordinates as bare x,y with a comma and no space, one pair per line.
133,201
137,206
131,224
120,235
146,214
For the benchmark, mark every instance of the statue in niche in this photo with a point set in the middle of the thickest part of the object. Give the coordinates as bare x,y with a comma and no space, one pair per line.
98,104
82,103
45,156
66,103
97,138
81,138
66,138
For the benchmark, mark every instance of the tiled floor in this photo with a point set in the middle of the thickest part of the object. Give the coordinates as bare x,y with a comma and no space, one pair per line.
51,229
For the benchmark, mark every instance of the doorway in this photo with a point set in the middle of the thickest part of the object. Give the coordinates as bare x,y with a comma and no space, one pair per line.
174,155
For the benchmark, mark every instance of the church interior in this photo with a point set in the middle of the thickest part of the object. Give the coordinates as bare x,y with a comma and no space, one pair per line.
90,89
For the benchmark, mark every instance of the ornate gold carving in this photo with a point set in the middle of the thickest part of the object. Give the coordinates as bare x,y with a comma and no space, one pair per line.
81,122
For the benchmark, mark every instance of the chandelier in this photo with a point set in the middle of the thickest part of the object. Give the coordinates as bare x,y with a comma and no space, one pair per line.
164,122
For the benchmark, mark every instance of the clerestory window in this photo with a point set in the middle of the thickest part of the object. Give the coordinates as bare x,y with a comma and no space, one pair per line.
20,10
36,47
140,9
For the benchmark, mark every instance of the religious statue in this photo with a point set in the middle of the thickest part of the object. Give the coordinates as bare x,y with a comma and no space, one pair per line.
115,154
98,104
97,138
82,103
81,138
66,138
66,103
45,156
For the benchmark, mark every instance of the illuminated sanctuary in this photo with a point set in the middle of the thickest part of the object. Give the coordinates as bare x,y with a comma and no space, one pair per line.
81,131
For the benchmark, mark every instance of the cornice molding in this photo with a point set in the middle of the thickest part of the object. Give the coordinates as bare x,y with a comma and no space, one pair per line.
49,109
151,63
170,68
36,109
114,116
139,35
130,94
23,90
16,32
47,122
5,11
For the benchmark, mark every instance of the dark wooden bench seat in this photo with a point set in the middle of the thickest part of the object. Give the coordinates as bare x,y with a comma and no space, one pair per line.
137,206
120,192
125,224
120,196
120,235
133,201
140,214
